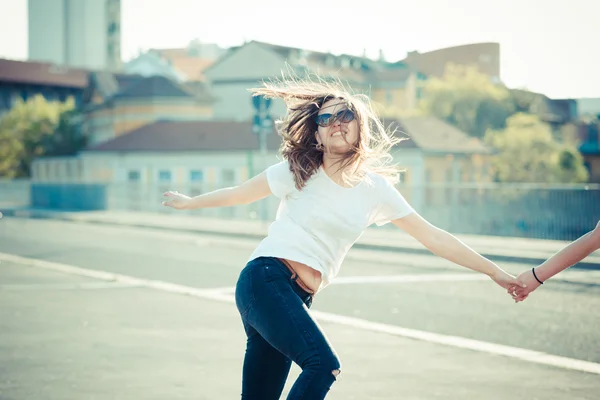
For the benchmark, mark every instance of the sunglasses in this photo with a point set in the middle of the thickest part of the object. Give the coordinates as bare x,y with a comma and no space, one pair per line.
325,120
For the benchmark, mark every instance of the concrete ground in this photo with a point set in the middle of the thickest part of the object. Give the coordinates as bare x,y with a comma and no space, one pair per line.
71,330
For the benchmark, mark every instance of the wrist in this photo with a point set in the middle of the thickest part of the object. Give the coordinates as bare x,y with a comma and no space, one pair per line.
536,277
495,271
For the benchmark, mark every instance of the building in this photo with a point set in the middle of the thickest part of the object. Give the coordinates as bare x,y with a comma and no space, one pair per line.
588,108
554,112
392,86
587,136
254,62
152,64
121,103
23,80
484,56
76,33
198,156
181,64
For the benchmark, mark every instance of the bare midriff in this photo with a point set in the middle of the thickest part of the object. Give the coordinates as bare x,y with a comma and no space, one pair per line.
310,277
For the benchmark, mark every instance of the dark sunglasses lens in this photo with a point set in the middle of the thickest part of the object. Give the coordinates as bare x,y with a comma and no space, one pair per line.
347,116
323,120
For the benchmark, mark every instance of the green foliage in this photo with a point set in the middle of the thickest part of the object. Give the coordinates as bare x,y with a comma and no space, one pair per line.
527,152
36,128
467,99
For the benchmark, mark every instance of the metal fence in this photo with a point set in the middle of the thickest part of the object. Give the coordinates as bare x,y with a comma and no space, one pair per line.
562,212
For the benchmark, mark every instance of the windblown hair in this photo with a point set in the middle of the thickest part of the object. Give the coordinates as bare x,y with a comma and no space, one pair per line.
304,98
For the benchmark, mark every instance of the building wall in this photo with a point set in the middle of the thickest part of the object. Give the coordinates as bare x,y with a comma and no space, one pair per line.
231,78
107,123
137,181
234,101
86,33
46,21
485,56
75,32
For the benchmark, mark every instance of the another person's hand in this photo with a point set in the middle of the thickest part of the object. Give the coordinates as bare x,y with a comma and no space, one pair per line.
527,278
176,200
507,281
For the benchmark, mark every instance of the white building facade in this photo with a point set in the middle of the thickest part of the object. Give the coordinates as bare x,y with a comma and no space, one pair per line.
76,33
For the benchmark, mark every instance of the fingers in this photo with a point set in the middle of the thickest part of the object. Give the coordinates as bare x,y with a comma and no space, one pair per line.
520,298
518,293
518,283
170,193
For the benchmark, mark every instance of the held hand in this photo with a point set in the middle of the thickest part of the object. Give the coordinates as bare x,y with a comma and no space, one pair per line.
528,279
176,200
507,281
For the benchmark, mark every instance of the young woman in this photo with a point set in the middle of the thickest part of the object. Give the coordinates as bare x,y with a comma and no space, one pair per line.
568,256
334,181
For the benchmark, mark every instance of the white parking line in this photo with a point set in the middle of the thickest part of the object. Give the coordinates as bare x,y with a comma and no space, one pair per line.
219,295
409,278
67,286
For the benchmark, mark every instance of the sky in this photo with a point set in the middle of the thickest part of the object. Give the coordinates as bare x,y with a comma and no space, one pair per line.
551,47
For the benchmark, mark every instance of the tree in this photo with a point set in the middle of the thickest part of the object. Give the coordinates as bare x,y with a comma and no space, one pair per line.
527,152
33,129
467,99
67,139
11,150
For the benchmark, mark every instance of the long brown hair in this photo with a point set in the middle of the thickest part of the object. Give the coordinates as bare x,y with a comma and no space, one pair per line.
304,98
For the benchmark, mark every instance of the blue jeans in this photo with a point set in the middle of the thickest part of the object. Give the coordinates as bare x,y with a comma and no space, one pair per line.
274,311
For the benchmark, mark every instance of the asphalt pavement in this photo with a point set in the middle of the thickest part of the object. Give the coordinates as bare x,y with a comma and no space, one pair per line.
113,312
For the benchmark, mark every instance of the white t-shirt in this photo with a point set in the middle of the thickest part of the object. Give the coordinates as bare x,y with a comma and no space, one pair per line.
317,225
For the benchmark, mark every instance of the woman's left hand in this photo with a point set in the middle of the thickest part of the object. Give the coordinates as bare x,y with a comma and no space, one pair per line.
507,281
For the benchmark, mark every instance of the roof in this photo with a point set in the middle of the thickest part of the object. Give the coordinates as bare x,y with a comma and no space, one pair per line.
155,87
427,134
107,84
200,90
186,61
42,74
178,136
433,135
191,67
124,80
151,87
344,66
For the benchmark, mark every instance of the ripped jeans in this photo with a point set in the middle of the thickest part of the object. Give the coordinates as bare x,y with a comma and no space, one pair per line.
274,311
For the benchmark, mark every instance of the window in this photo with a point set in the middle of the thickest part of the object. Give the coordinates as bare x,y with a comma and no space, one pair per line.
133,175
196,175
164,176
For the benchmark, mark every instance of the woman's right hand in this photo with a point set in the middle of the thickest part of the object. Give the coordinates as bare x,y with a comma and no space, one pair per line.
176,200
